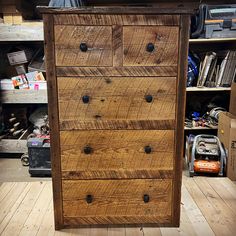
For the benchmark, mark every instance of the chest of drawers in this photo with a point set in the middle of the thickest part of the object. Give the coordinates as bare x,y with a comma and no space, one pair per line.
116,92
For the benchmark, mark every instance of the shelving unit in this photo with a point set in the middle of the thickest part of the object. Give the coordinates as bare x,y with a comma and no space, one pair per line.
216,40
201,128
14,145
24,96
31,31
206,89
16,29
204,45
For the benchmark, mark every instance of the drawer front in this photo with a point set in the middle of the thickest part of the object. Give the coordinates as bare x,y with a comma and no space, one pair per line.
116,201
83,45
150,46
117,154
114,98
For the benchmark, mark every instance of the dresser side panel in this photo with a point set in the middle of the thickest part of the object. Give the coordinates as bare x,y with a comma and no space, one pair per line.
53,118
180,114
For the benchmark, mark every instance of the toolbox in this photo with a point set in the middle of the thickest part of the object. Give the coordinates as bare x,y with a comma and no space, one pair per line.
39,156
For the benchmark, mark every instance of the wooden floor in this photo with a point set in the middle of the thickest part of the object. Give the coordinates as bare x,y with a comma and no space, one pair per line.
208,208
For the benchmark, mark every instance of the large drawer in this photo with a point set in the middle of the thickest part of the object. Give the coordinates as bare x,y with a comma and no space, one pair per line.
117,154
83,45
103,100
150,46
116,201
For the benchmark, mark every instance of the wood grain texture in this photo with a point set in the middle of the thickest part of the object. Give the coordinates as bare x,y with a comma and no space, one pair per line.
117,45
117,201
97,38
136,39
53,119
99,19
138,71
116,98
118,10
117,124
180,114
117,154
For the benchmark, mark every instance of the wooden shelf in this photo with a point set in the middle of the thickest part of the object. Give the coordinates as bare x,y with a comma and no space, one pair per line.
204,89
13,146
31,31
24,96
201,128
216,40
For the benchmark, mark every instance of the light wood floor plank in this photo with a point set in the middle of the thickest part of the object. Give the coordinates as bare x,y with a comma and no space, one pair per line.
5,188
185,228
226,213
198,221
116,231
11,198
228,184
26,206
227,197
133,231
8,210
47,225
151,231
35,217
98,231
80,232
212,215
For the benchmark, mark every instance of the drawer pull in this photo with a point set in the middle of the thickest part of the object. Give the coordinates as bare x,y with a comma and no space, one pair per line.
89,199
85,99
147,149
148,98
83,47
150,47
146,198
88,150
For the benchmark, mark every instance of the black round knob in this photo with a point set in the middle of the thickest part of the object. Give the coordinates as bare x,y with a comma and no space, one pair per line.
89,199
83,47
85,99
148,98
88,150
150,47
148,149
146,198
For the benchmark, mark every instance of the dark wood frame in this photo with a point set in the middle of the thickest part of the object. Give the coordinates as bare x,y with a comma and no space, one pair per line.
180,114
53,119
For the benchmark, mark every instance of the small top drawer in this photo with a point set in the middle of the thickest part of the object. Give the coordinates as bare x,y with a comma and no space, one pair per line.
150,45
83,45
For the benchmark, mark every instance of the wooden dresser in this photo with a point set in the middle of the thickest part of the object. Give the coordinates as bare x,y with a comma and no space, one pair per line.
116,91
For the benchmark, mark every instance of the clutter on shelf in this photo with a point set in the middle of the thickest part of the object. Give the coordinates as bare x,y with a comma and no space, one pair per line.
14,122
214,21
29,69
211,69
204,112
38,143
32,80
39,118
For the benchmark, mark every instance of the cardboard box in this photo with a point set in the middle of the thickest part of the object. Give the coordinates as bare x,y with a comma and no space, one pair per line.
232,106
20,56
227,135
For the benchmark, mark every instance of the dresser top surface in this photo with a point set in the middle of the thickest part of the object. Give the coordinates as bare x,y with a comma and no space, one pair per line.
116,10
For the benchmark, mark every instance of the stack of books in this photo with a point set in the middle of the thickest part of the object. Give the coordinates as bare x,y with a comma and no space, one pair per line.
215,72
